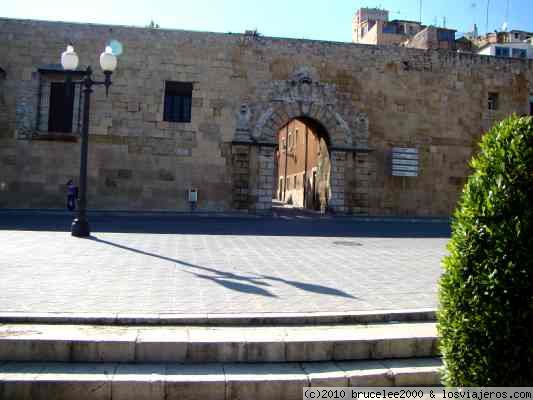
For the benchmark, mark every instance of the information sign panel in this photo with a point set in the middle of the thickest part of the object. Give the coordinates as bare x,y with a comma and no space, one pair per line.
404,161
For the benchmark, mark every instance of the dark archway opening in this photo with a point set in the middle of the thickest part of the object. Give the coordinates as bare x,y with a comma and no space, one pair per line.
302,166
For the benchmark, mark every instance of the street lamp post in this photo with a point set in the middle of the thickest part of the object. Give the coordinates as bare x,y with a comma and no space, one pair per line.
69,61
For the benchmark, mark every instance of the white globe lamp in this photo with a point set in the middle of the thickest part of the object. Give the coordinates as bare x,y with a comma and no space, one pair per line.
69,59
108,61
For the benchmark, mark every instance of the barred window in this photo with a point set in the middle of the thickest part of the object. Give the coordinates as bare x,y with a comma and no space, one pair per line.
3,107
178,101
59,107
493,101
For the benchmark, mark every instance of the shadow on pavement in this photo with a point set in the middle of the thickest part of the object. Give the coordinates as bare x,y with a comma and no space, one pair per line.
240,283
233,225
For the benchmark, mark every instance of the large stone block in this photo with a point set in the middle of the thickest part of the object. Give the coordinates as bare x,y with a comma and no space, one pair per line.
367,374
265,381
73,381
192,382
153,345
140,382
325,374
107,350
17,380
18,349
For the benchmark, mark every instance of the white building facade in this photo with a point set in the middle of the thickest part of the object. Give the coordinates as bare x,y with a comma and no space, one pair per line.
509,50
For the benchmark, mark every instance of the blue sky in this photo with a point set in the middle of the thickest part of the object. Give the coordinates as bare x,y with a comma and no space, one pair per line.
310,19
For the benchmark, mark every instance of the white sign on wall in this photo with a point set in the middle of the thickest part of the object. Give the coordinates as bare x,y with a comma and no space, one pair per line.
404,161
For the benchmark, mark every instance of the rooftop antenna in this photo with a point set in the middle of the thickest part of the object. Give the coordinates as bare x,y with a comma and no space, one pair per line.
506,22
487,22
420,11
473,6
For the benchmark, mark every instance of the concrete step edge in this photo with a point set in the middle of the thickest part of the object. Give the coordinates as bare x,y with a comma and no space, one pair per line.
206,381
74,343
311,318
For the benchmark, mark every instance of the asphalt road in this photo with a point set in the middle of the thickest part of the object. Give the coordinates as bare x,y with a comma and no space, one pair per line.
285,224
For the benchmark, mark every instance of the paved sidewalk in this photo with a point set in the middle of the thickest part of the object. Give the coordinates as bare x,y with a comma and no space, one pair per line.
311,267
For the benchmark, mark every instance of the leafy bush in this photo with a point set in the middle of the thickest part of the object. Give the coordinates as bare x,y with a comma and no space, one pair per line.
485,319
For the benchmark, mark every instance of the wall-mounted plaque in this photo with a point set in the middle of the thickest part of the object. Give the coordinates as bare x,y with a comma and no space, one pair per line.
404,161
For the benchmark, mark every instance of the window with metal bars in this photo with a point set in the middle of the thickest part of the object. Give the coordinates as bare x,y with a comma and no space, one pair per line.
493,101
178,101
59,106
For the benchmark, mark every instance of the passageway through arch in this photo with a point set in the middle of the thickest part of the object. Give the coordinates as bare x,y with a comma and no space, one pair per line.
302,172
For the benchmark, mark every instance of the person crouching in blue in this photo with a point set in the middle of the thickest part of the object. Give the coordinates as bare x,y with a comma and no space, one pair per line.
72,195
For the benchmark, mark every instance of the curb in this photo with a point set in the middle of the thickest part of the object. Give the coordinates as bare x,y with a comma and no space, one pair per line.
126,213
258,319
228,215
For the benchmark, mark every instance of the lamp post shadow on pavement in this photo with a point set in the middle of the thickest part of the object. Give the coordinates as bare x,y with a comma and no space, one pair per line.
108,62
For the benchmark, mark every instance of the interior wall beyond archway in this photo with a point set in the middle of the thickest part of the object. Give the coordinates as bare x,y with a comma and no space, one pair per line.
302,164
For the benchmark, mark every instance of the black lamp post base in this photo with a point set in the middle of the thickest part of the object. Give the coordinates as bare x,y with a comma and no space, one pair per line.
80,228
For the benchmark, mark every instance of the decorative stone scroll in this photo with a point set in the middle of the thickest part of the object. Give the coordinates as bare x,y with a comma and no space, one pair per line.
303,95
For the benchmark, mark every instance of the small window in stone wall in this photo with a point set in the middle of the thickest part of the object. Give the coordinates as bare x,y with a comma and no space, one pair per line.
2,79
493,101
59,109
178,101
3,107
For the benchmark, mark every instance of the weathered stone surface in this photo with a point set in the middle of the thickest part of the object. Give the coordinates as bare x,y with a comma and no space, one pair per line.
367,373
191,382
143,382
34,381
160,346
90,382
165,175
325,374
265,381
366,98
211,132
415,372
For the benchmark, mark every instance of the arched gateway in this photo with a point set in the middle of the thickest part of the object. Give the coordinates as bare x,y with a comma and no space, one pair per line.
279,102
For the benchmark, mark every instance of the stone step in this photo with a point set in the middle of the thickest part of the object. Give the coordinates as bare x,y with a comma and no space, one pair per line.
226,381
255,319
195,344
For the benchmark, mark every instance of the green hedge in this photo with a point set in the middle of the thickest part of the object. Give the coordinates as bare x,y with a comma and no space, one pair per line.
485,319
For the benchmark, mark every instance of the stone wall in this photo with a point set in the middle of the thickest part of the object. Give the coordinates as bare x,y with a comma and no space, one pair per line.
368,98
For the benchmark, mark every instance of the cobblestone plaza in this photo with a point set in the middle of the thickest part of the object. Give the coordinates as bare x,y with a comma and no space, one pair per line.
221,265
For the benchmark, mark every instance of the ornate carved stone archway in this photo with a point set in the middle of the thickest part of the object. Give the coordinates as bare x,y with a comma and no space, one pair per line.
279,102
